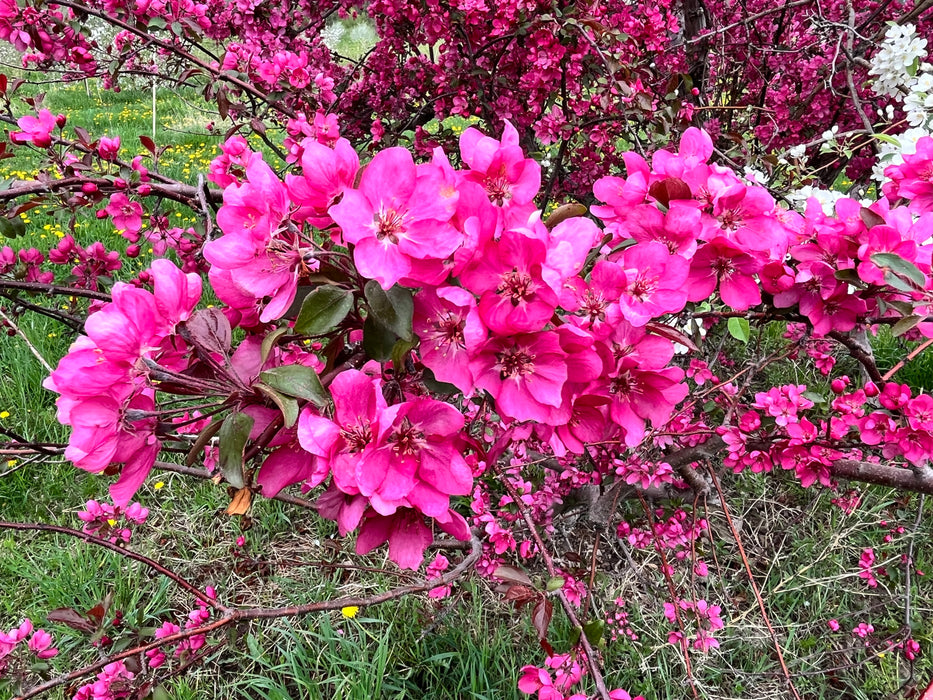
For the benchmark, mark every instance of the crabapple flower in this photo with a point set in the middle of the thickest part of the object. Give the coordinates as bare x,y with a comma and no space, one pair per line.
108,148
398,217
508,280
500,167
127,215
525,374
37,130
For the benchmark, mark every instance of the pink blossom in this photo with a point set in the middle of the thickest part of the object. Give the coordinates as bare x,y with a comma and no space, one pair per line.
127,215
399,215
37,130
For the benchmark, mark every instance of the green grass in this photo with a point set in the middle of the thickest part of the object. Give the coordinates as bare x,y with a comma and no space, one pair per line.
804,551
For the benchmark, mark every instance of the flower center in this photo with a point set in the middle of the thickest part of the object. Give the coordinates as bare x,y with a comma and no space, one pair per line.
406,439
389,225
515,363
357,436
517,285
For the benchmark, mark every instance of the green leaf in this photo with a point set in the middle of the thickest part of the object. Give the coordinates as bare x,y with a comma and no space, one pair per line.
400,352
900,267
160,693
378,341
234,434
393,309
12,228
287,405
269,342
594,631
906,324
555,583
739,329
323,309
849,275
298,381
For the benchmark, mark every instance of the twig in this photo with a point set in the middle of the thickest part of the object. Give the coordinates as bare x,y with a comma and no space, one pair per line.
859,354
751,580
913,353
32,348
910,562
591,662
106,544
234,615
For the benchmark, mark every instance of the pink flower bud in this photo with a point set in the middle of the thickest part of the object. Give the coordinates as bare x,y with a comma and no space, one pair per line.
89,188
871,390
60,121
132,251
144,189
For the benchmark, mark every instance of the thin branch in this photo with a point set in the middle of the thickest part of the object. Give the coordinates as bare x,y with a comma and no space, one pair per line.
32,348
751,580
106,544
242,614
53,289
859,354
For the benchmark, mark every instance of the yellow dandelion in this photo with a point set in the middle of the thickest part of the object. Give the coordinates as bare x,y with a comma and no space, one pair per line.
11,462
350,611
158,485
4,414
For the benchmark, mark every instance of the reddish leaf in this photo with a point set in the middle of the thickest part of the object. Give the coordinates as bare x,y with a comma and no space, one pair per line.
672,334
210,330
97,612
72,618
669,189
541,617
512,574
148,144
870,218
520,595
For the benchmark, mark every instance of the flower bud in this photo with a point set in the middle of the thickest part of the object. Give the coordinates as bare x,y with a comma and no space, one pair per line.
871,390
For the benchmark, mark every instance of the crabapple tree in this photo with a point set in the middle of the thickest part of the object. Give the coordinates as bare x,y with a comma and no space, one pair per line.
415,337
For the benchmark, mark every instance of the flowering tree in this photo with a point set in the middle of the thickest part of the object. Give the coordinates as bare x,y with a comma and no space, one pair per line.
419,342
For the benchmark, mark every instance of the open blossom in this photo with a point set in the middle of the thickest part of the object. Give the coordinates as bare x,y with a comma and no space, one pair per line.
525,373
508,279
37,130
127,215
398,217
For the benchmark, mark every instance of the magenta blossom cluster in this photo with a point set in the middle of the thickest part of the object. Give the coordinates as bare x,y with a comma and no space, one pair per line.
563,331
105,396
103,519
114,682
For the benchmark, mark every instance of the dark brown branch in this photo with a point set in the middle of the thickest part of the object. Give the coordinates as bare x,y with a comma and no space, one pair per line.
129,554
918,481
243,614
53,289
179,192
858,352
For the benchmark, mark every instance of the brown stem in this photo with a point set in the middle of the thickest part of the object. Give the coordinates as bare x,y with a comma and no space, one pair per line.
242,614
591,663
918,481
53,289
106,544
751,580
